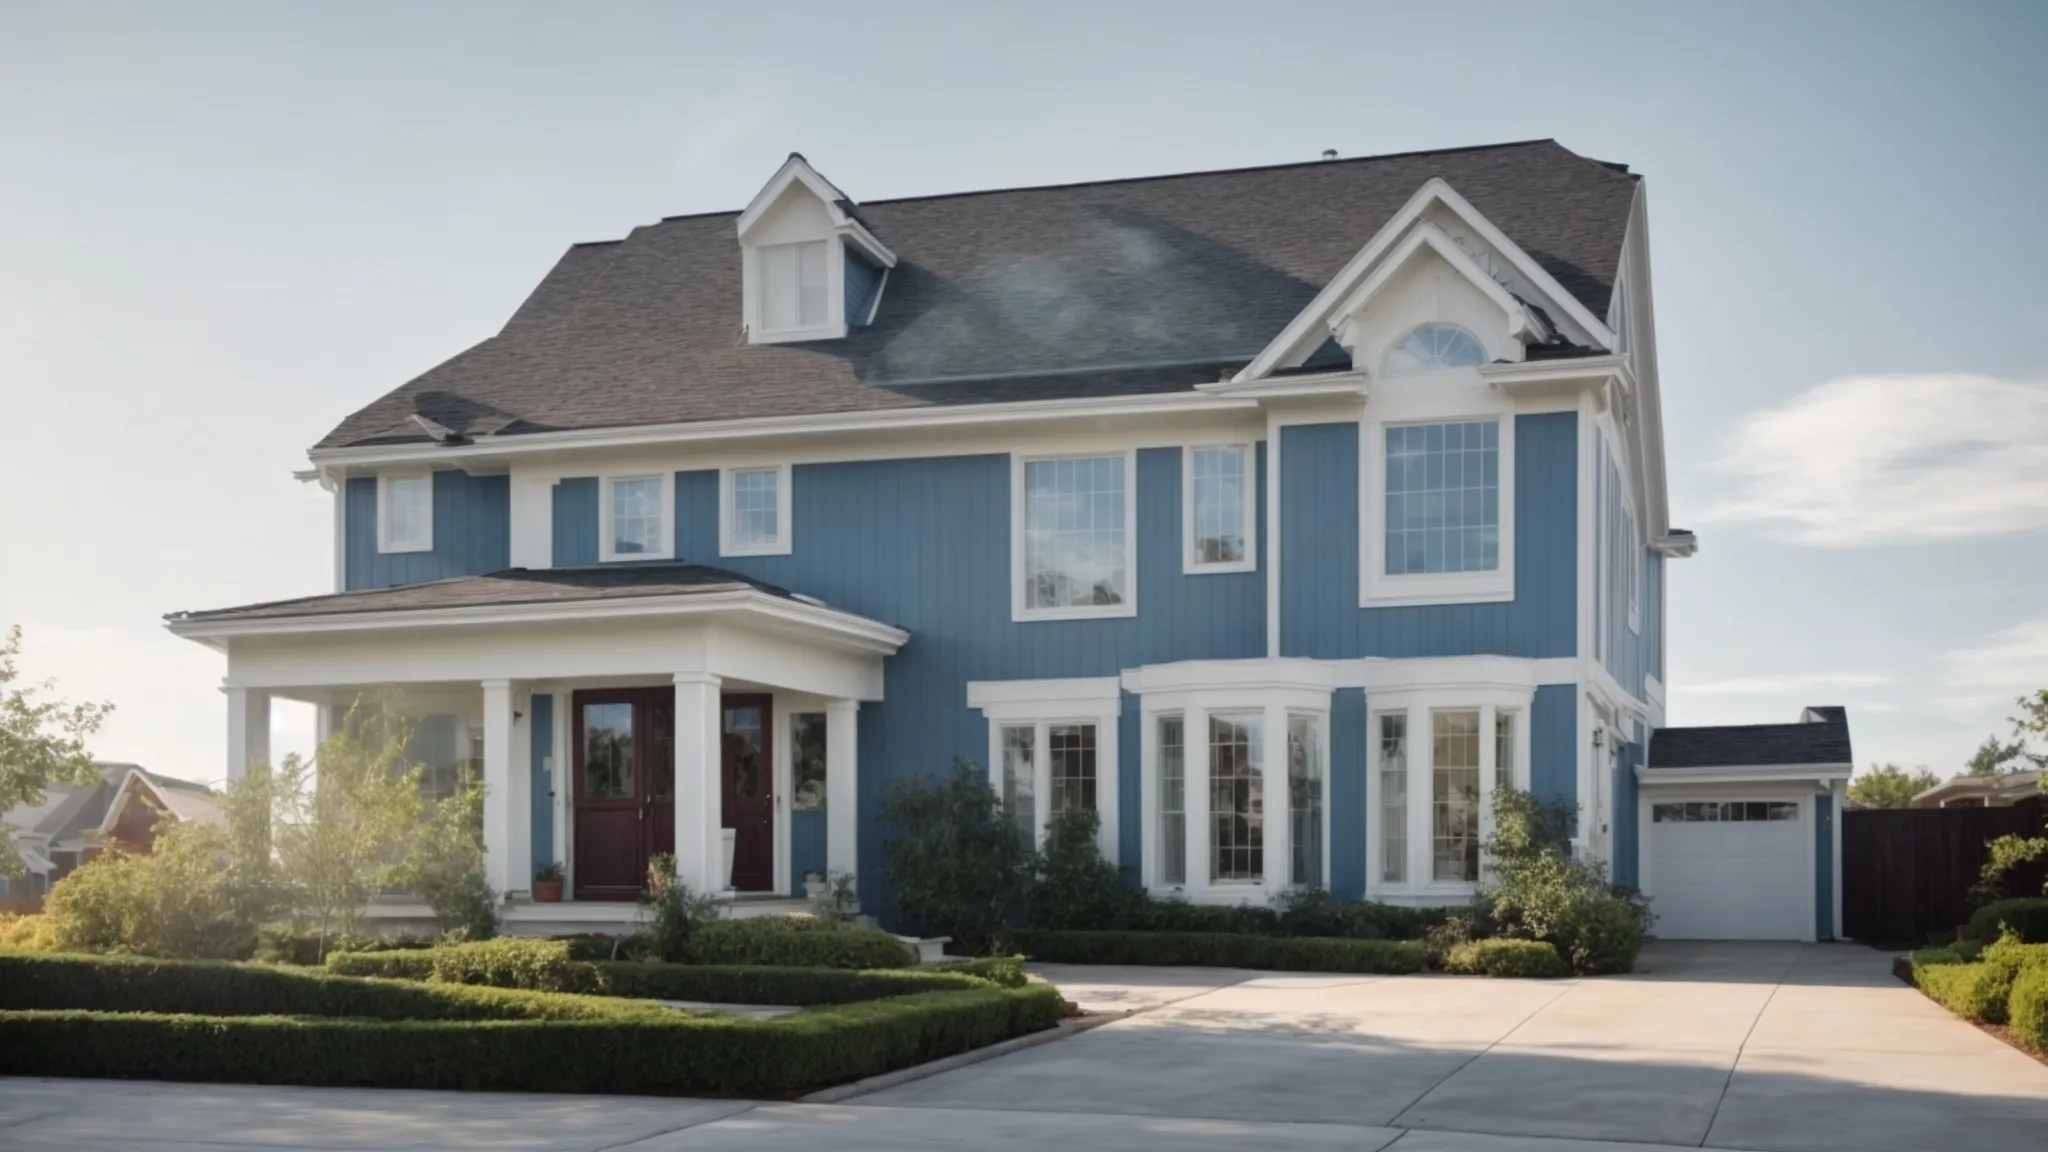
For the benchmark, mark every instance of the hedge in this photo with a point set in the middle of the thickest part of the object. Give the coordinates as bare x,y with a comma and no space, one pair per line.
1002,971
2027,1008
1223,950
2027,918
798,942
1506,958
1972,991
711,983
562,1043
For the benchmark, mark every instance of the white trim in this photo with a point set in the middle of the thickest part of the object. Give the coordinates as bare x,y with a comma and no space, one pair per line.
1521,322
1818,776
1632,551
339,490
1019,578
1273,427
385,544
607,550
1840,793
1190,565
784,537
1045,704
834,325
1434,398
797,169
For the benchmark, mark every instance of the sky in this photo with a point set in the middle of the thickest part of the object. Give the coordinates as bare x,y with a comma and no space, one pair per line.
225,226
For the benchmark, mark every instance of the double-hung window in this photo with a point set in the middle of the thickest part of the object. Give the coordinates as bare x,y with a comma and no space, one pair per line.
1052,750
1437,499
755,516
1072,537
635,517
1218,502
794,287
1435,760
405,513
1237,798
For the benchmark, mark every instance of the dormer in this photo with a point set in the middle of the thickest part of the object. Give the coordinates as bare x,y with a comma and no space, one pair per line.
812,269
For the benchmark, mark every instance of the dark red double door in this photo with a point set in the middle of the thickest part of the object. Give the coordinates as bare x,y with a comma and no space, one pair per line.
625,769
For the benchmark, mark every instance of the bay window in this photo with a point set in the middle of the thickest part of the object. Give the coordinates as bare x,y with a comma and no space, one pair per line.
1237,802
1435,758
1172,859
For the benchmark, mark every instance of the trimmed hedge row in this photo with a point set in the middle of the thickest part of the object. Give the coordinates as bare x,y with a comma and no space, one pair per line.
2027,1008
2026,918
89,1016
1973,991
1527,959
1224,950
797,942
712,983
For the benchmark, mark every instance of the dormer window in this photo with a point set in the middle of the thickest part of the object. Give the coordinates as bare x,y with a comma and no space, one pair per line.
794,287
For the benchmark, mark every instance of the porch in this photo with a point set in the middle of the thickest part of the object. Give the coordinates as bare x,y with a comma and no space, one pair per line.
613,713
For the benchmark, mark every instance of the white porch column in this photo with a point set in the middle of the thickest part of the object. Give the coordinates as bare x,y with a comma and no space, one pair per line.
700,810
499,834
248,730
520,878
842,786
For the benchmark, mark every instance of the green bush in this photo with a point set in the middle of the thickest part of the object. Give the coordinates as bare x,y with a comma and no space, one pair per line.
1002,971
283,944
1531,959
2027,1008
797,942
1958,952
1071,885
1972,991
956,857
443,865
1539,890
1223,950
200,892
511,962
2026,917
1598,935
169,1020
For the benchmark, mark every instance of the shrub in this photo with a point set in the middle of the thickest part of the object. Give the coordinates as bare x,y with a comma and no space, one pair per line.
1071,885
539,965
1973,991
1959,952
2001,856
1505,958
2027,1008
2026,917
675,910
1149,915
1002,971
27,934
797,941
443,865
1539,891
955,855
1223,950
284,944
187,897
1598,935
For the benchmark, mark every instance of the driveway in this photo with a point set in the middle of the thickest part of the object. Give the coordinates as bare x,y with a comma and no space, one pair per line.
1772,1047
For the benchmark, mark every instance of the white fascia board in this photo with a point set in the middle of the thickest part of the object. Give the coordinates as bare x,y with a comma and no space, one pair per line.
1284,673
1374,674
1676,547
1043,699
797,170
821,424
113,814
1314,319
1819,775
1346,382
841,629
856,234
1428,235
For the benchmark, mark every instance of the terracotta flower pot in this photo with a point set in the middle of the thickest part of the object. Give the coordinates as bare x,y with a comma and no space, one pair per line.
547,891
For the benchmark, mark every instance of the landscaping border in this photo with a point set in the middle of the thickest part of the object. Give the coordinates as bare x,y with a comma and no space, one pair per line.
1225,950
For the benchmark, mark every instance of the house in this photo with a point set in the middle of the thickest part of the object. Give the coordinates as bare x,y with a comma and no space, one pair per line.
75,821
1276,514
1967,791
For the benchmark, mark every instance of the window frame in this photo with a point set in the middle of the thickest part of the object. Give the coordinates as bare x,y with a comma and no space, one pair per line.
1020,612
387,546
1420,705
784,543
1042,705
607,523
1396,346
1415,401
825,326
1632,564
1191,562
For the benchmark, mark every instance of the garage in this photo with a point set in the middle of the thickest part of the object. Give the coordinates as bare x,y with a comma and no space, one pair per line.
1737,831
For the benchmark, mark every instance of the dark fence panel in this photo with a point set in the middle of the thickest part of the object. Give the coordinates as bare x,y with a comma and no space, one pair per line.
1906,872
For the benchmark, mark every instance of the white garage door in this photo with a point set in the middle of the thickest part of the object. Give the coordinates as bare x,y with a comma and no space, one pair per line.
1730,869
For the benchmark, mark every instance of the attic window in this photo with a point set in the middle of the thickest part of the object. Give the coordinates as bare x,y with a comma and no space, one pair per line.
793,287
1432,347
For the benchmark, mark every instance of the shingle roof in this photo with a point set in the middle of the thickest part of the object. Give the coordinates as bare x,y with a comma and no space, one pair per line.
512,586
1200,269
1825,741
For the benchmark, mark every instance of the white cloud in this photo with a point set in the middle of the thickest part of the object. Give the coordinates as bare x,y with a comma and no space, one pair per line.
1895,460
1779,685
1991,675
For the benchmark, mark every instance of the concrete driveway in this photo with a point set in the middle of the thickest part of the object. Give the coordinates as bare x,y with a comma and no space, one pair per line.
1773,1047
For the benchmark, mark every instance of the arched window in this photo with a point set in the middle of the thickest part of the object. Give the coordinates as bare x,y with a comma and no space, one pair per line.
1431,347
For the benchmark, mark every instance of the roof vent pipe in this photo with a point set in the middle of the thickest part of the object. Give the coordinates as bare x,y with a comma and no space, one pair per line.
1329,153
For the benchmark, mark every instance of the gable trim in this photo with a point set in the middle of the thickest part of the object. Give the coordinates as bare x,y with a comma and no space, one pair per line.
1428,235
797,170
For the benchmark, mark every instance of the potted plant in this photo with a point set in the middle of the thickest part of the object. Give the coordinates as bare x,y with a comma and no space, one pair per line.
814,885
547,884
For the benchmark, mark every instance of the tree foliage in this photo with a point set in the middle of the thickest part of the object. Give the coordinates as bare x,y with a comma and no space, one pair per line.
1889,786
1994,757
42,742
954,855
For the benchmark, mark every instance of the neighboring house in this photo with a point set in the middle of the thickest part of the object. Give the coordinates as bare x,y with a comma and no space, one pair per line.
1277,514
2000,791
74,821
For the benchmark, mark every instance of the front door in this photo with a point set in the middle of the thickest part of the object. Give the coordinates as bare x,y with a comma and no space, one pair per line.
749,791
625,788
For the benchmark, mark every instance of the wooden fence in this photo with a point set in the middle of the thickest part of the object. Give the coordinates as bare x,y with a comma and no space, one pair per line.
1906,872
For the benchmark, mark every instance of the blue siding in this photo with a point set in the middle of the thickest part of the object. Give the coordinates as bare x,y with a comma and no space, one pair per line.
1627,831
1347,794
472,533
806,848
1320,617
542,709
1554,742
1652,639
1824,867
575,522
863,280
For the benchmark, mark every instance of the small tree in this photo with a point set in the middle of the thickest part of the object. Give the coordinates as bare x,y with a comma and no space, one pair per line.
341,829
1538,890
2031,725
1890,786
954,855
1071,885
444,865
42,742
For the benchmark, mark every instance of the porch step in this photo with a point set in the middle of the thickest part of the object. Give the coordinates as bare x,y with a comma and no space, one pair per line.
930,949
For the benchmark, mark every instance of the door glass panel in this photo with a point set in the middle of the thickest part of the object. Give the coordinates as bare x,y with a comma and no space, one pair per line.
663,738
743,751
608,751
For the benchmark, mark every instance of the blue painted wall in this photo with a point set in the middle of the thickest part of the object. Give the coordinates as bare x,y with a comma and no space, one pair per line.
924,544
862,281
472,533
1347,794
1554,743
1824,867
806,848
541,717
1627,831
1319,612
